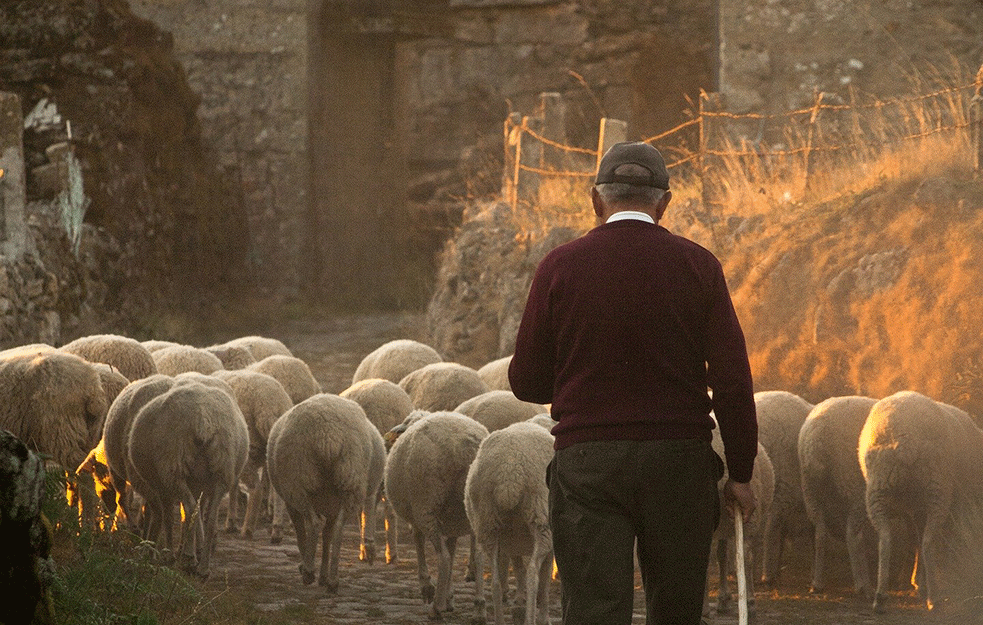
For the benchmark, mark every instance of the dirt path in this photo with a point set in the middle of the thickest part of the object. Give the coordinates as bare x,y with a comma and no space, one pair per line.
265,580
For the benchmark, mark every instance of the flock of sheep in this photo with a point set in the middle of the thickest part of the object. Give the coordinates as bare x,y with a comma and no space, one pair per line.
450,451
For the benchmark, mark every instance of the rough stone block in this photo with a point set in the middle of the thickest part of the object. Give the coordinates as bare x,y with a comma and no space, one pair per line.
13,195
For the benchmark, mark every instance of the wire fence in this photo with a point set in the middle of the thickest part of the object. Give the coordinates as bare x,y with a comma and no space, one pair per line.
541,168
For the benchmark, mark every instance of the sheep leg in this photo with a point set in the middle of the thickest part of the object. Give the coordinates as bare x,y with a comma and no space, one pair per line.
819,557
883,566
392,535
423,573
535,578
208,521
543,592
276,527
857,540
254,495
369,510
469,576
303,527
330,548
189,528
498,572
233,516
479,590
443,599
723,590
928,562
773,544
519,568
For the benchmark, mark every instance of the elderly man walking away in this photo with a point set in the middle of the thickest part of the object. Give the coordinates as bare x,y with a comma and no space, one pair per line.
624,331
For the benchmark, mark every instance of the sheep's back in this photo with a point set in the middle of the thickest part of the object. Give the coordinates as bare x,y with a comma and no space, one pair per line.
179,359
119,420
261,346
262,400
498,409
293,373
128,355
496,374
395,360
442,386
385,403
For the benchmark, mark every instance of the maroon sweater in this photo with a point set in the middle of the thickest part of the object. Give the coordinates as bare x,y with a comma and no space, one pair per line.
624,330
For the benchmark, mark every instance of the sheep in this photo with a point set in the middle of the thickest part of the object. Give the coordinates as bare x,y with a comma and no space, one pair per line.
922,462
183,358
496,374
128,356
154,345
191,439
763,485
260,346
424,480
262,401
293,373
506,500
780,416
325,458
544,420
394,360
232,356
833,487
52,401
498,409
386,404
442,386
113,382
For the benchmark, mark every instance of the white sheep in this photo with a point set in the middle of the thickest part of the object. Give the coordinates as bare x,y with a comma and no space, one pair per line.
498,409
53,402
923,466
154,345
833,487
261,346
385,404
326,460
442,386
394,360
232,356
128,356
780,416
262,400
425,477
496,374
293,373
188,441
763,485
178,359
544,420
507,502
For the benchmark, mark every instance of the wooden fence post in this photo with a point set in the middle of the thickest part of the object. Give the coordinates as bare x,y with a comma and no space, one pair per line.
810,162
553,190
529,152
709,130
610,132
976,125
513,149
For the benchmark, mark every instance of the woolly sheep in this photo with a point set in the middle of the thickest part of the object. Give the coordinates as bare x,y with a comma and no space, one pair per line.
262,401
154,345
507,503
833,487
763,485
442,386
394,360
326,459
425,477
544,420
293,373
260,346
128,356
780,416
113,382
386,404
232,356
179,359
496,374
498,409
923,465
192,439
53,402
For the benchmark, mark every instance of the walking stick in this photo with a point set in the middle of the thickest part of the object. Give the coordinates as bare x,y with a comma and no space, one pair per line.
741,580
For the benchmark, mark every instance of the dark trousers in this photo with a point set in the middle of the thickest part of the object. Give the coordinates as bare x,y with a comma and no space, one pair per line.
605,495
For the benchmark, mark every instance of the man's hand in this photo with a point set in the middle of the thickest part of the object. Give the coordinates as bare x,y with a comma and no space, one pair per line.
739,495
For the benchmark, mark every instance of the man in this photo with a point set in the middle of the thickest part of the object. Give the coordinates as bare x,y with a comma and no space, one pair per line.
624,331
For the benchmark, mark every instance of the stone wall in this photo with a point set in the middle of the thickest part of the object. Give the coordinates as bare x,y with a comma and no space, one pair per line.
777,54
247,59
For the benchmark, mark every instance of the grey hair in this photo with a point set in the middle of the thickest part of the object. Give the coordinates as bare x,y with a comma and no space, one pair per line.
621,193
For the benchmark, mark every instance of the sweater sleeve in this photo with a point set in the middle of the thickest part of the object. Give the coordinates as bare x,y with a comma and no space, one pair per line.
532,370
729,377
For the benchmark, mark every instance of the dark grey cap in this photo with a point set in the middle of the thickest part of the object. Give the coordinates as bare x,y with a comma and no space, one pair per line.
635,153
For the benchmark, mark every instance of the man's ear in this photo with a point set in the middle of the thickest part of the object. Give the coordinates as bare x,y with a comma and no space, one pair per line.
597,202
660,208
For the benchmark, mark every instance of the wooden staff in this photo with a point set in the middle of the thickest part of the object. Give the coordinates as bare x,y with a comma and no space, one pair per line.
741,581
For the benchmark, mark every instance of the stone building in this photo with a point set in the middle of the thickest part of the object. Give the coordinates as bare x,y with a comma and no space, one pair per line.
344,119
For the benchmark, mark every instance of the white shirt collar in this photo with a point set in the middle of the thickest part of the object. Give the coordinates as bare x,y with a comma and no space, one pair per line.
630,215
